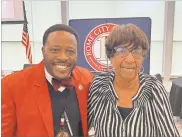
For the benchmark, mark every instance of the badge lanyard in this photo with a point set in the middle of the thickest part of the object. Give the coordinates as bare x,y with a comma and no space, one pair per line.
63,119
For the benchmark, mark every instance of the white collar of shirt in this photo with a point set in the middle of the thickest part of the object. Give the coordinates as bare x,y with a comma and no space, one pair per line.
49,78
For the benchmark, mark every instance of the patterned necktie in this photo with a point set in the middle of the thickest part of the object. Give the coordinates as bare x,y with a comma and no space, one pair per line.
68,83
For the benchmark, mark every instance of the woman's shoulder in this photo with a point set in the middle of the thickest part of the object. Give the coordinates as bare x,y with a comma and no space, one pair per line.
102,78
154,84
104,74
149,78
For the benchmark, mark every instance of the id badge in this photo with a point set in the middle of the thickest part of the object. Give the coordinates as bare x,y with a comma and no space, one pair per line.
62,133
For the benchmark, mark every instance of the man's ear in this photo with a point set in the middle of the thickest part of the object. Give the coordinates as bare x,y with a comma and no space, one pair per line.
43,49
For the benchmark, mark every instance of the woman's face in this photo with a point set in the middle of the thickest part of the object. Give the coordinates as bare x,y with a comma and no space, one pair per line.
127,62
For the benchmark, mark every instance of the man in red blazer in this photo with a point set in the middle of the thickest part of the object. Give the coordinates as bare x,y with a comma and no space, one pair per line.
33,105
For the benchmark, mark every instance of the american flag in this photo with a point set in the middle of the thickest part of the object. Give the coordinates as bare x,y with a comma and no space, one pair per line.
26,43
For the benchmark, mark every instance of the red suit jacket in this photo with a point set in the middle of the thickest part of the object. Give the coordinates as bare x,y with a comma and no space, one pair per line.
26,104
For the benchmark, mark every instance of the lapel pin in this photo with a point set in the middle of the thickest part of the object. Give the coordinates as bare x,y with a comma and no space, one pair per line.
80,87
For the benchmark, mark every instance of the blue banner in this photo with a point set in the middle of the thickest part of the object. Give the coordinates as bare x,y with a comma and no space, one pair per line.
93,33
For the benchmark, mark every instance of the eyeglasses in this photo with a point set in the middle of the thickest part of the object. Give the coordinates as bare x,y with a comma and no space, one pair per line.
123,52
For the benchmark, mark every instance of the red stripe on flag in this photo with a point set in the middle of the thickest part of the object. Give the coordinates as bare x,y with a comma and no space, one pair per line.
26,43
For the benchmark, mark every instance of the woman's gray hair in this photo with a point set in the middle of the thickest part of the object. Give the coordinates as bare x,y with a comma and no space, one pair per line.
126,34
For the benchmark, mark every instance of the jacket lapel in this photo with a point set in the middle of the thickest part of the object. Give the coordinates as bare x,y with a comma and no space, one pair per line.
81,92
42,98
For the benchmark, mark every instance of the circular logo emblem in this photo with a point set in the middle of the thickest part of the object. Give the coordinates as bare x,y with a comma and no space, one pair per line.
94,47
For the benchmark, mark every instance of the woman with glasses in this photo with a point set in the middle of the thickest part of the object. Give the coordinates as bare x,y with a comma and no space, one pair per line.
125,101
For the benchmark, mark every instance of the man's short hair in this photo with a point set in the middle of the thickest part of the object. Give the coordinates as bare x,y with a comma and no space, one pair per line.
59,27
